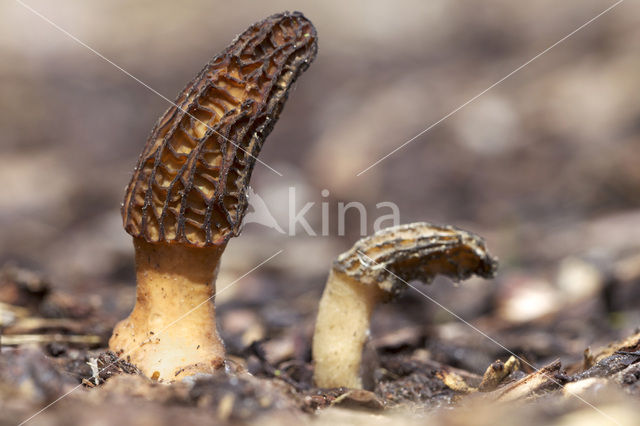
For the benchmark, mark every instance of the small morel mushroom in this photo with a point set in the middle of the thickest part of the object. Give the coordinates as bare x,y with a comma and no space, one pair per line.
187,196
374,270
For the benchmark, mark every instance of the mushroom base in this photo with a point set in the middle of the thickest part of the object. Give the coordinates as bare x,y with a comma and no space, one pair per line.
342,328
171,332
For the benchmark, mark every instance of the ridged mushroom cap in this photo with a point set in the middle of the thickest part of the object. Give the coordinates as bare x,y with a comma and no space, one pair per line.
190,183
416,251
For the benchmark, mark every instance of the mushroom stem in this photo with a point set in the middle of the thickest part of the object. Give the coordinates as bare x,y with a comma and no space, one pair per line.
171,332
342,328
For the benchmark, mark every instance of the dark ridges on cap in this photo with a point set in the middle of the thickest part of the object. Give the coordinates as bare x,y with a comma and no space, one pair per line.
190,183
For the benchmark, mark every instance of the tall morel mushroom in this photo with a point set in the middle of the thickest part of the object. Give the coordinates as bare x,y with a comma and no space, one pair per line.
374,270
187,195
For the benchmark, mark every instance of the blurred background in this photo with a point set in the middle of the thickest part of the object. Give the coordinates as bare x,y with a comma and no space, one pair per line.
544,166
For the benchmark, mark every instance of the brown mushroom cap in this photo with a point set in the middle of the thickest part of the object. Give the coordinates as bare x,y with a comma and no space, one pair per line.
416,251
190,183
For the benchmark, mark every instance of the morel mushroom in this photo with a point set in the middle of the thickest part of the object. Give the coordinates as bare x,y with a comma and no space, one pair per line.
187,196
374,270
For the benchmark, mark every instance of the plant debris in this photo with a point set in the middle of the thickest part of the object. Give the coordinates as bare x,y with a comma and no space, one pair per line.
409,373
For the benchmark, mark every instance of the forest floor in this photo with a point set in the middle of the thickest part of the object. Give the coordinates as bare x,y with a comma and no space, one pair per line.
579,360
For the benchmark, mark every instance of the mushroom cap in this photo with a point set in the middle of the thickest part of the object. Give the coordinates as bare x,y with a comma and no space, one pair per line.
417,251
190,183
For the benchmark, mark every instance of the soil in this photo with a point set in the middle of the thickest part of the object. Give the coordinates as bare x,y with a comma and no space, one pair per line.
54,355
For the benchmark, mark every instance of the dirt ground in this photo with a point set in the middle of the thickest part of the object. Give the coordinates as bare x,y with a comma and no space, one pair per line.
543,166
